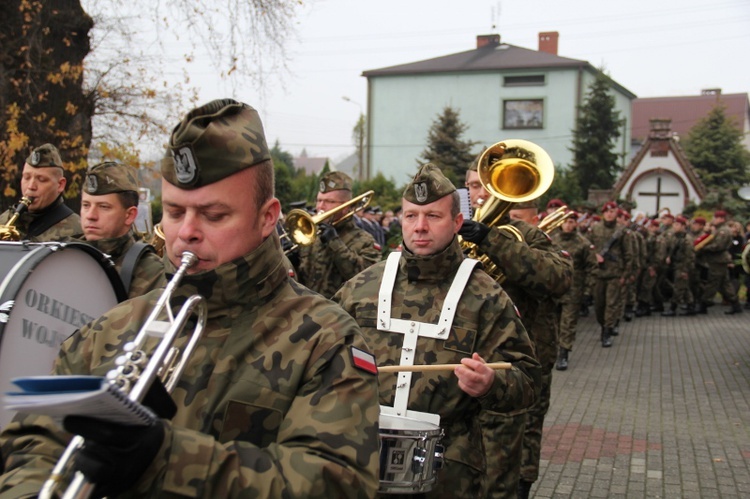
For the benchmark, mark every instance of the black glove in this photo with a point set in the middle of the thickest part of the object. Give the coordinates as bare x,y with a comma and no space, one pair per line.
114,456
327,233
474,232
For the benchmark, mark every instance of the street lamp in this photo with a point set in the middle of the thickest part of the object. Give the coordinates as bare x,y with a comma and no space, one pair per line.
360,128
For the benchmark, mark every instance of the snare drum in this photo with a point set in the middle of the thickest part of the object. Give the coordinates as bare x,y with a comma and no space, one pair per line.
410,455
47,291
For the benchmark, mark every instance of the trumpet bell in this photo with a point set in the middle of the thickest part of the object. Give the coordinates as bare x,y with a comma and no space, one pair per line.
301,227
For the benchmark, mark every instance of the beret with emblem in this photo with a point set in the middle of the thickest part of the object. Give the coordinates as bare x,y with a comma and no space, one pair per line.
45,155
213,142
720,214
609,205
335,181
110,177
428,185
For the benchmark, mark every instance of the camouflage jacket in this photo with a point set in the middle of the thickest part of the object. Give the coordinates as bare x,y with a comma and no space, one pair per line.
270,404
656,247
535,271
683,255
585,268
610,240
325,267
716,252
66,229
149,270
485,322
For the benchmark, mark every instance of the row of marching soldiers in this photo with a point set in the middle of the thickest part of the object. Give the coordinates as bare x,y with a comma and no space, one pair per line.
632,268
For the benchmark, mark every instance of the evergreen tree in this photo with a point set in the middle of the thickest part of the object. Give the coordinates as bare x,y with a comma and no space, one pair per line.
445,149
597,128
714,147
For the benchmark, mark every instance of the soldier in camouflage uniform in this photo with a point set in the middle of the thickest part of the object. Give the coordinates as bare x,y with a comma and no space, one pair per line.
699,274
342,249
681,262
585,270
615,257
486,327
656,255
534,274
109,206
715,255
47,217
637,244
271,403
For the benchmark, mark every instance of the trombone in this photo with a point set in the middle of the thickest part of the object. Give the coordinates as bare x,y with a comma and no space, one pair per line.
136,371
302,228
555,219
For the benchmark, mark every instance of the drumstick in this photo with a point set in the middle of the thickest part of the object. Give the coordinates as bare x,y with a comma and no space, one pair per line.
437,367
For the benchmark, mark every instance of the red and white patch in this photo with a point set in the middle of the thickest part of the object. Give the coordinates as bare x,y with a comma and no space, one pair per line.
377,247
364,360
565,253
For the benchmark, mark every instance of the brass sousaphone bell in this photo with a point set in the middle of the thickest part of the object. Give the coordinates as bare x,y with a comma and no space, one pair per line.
512,171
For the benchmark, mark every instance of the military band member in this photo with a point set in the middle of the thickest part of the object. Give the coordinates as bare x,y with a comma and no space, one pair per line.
535,273
614,255
585,270
109,207
47,218
473,323
341,250
715,255
271,403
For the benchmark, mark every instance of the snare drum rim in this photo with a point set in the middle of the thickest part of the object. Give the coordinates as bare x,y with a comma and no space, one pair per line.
430,431
37,252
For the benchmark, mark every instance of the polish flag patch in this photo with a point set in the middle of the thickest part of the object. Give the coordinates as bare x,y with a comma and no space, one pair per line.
364,360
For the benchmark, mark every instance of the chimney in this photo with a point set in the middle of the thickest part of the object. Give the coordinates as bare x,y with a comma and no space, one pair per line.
486,40
548,42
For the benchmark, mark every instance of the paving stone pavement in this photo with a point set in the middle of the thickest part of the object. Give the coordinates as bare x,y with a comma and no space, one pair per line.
664,412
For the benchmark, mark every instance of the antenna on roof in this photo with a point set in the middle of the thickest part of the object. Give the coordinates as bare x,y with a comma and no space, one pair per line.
495,16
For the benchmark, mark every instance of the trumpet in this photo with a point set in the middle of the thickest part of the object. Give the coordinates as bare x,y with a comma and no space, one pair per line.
9,232
136,371
302,228
512,171
555,219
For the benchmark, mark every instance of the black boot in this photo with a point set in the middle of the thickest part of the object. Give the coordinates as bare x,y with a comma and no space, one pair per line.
642,310
615,331
606,337
562,359
524,488
628,316
671,312
657,307
702,308
689,310
736,308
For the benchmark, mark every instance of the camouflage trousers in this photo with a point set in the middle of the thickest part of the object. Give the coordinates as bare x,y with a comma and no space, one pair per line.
718,281
646,287
503,441
568,322
607,301
532,435
682,294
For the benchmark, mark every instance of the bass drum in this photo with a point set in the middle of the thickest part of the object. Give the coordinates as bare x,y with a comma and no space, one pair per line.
48,290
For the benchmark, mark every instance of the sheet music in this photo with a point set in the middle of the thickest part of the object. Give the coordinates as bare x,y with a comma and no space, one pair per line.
91,396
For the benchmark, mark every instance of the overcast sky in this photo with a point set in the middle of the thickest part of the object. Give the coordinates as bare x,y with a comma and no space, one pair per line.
651,47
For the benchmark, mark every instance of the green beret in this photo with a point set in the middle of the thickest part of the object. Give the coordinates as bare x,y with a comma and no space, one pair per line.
46,155
335,181
428,185
109,177
212,142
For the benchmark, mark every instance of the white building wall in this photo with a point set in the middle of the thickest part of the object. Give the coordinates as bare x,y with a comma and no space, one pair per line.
403,108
